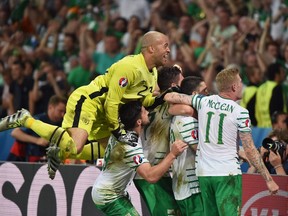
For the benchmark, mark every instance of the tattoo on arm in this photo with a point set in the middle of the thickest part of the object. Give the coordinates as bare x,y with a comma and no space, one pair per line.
253,155
178,98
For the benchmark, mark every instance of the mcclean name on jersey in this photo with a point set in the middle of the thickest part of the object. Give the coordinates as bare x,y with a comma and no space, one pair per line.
220,106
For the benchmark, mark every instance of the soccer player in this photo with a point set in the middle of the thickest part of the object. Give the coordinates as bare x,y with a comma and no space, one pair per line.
159,196
221,121
92,110
122,161
185,182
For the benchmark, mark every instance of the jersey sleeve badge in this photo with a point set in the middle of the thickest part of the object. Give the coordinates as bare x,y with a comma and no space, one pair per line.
123,82
194,134
137,159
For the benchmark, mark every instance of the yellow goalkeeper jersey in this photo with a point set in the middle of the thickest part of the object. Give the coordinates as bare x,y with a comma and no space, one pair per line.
127,79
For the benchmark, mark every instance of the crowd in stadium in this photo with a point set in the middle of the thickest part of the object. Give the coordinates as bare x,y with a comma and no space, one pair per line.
51,49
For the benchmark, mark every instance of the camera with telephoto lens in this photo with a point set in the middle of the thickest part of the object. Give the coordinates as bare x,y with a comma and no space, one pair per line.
275,146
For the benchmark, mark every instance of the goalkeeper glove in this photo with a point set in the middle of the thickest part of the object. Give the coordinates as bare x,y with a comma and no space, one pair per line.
128,137
160,98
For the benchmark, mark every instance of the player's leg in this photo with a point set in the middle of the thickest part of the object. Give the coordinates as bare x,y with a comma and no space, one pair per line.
56,135
165,201
93,150
229,194
97,140
147,192
121,206
15,120
78,120
208,196
158,197
192,205
47,131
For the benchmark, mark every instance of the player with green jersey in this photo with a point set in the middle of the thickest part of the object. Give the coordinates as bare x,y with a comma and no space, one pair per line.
185,182
122,161
221,122
159,196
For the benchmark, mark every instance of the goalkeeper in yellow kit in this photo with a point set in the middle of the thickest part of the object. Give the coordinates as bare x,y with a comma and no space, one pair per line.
92,110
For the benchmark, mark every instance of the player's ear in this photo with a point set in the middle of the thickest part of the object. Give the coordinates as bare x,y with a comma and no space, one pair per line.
151,49
139,122
233,87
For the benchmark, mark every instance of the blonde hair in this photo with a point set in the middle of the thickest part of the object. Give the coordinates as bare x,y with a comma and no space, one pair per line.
226,78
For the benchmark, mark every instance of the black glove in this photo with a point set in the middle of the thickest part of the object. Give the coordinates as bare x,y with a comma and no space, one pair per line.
160,98
128,137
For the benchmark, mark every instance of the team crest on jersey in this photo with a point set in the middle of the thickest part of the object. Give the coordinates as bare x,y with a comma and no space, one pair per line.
123,82
137,159
194,134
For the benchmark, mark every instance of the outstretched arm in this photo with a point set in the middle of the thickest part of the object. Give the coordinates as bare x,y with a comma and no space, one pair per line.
182,109
178,98
256,160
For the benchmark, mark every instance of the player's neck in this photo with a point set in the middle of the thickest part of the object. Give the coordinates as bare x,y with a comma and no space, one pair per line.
227,95
138,129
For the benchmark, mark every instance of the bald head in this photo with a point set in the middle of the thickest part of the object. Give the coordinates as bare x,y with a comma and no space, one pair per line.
155,49
151,38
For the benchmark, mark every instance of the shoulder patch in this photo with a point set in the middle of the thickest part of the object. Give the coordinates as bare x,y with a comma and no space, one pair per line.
247,123
194,134
123,82
137,159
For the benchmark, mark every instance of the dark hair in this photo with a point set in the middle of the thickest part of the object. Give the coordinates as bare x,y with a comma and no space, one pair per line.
72,36
31,63
166,76
124,20
129,113
190,84
280,134
272,70
20,63
274,116
250,38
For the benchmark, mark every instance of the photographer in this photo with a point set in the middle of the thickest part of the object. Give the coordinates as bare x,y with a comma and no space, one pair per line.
279,120
274,151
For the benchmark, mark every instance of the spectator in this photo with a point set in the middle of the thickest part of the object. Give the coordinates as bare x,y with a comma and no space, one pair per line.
131,37
274,152
182,52
46,84
70,48
127,8
28,146
112,53
80,75
279,120
6,106
29,68
248,100
270,96
20,89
